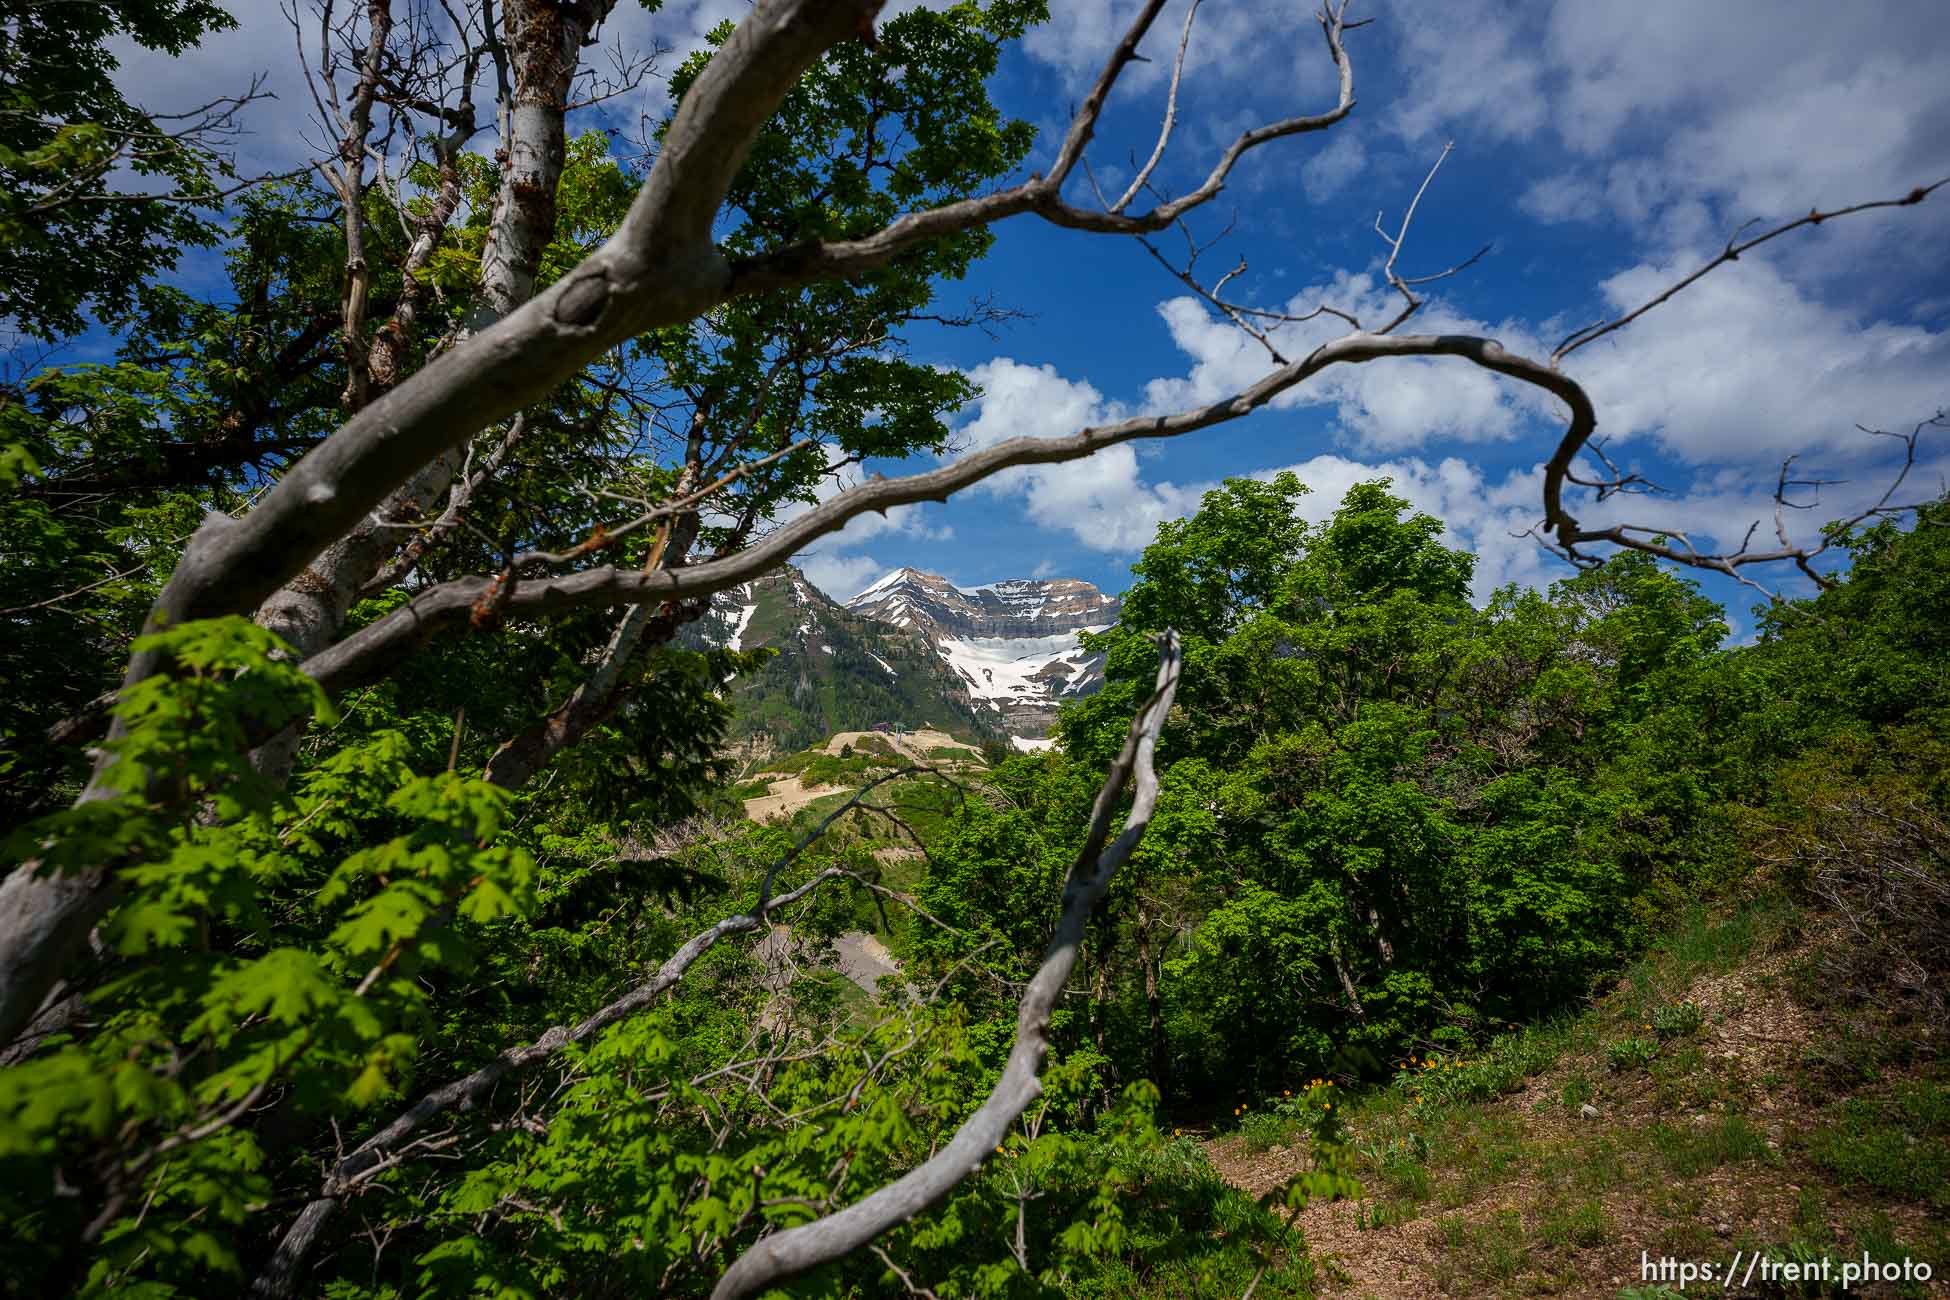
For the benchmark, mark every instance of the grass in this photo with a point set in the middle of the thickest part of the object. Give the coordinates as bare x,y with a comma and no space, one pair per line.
1577,1224
1703,941
1692,1149
1482,1251
1897,1142
954,754
877,745
1483,1145
1543,1197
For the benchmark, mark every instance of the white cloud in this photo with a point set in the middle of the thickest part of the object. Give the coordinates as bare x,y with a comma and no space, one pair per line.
839,576
1561,198
1102,501
1080,35
1683,120
829,563
1388,404
1746,367
1328,172
1743,368
1029,401
1466,60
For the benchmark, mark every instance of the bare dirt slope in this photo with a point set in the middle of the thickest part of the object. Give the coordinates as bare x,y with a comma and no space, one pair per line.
788,795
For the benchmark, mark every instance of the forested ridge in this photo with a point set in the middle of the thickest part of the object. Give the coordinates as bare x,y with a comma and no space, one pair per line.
382,914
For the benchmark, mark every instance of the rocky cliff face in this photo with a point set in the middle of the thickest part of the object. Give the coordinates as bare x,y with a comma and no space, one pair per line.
1014,644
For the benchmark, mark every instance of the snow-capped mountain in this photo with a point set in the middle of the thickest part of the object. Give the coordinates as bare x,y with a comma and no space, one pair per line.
1014,644
834,670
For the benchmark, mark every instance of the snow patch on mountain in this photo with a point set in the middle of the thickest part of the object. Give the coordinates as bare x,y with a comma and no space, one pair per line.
743,619
1018,670
882,584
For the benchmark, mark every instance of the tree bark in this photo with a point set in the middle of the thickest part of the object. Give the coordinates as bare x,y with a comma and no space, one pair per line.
661,267
1153,1003
544,50
598,695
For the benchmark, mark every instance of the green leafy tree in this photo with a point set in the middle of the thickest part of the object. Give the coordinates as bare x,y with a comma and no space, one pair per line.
72,237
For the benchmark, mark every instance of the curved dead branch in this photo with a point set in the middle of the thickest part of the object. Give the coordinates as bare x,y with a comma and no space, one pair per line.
789,1253
372,650
1731,253
1673,544
382,1150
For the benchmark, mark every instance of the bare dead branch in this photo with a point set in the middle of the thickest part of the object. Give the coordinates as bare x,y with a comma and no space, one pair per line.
1567,540
1731,253
784,1255
281,1273
1171,115
448,606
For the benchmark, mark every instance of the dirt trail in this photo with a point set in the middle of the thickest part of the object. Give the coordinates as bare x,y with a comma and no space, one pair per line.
1392,1263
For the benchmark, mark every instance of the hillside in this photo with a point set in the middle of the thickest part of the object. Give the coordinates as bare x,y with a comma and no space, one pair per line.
835,670
1712,1107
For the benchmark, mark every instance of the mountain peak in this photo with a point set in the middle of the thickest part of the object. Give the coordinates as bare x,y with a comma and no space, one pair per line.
896,578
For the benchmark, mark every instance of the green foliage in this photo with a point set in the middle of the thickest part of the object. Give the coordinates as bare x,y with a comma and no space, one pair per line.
1502,1066
68,239
1391,820
1631,1052
273,944
1680,1020
1392,823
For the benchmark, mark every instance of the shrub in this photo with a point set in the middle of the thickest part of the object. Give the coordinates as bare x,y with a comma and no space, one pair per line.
1633,1053
1680,1020
1286,1119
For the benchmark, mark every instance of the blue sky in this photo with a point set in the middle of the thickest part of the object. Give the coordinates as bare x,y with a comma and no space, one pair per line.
1604,149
